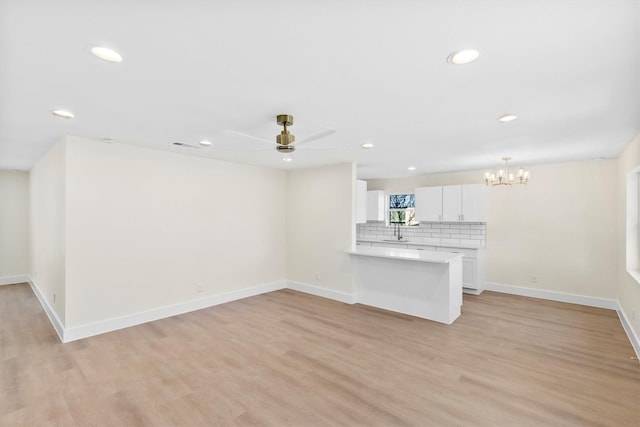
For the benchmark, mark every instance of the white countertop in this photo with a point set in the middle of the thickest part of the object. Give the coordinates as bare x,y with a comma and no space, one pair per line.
409,242
406,254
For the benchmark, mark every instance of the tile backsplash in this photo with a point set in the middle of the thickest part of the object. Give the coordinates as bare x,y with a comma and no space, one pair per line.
428,232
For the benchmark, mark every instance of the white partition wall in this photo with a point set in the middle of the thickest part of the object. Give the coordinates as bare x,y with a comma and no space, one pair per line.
320,228
123,234
48,199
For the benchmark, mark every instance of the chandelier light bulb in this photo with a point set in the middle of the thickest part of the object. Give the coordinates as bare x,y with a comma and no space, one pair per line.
504,177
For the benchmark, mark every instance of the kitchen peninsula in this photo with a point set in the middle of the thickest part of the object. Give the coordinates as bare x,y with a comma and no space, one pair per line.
419,283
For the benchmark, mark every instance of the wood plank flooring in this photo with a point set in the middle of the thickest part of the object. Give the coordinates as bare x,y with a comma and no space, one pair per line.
286,358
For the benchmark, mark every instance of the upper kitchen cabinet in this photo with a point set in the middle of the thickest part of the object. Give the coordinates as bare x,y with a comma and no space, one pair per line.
429,204
361,201
451,203
375,205
472,203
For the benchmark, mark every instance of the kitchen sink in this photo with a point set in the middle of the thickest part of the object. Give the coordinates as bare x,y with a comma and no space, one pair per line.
395,240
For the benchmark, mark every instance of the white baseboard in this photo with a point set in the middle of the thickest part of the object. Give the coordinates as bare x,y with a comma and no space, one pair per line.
12,280
552,295
109,325
51,314
322,292
626,325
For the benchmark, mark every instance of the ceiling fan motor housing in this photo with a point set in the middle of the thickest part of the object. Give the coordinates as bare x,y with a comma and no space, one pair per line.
285,138
285,149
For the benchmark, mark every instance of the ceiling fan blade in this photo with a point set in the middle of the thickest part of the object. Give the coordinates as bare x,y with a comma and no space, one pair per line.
239,148
316,136
237,134
185,145
324,147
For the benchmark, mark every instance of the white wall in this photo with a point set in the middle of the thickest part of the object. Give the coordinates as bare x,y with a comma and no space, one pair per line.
321,226
560,227
48,209
628,292
14,226
120,230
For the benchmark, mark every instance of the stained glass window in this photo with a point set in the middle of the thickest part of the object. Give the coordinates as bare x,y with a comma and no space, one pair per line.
402,209
402,201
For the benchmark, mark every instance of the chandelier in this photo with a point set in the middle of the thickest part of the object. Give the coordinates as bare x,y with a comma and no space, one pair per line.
504,177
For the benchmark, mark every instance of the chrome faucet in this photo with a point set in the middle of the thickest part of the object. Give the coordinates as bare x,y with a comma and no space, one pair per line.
396,225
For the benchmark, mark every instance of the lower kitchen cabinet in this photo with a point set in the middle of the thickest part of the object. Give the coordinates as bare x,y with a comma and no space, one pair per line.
472,263
472,268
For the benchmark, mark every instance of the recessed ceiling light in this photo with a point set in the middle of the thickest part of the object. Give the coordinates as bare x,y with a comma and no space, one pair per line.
463,56
106,54
411,168
205,143
367,145
64,114
287,159
507,117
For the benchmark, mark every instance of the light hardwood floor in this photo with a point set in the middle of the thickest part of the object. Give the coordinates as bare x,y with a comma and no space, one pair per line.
287,358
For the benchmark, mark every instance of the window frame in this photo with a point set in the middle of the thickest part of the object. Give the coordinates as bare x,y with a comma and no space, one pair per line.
407,211
633,224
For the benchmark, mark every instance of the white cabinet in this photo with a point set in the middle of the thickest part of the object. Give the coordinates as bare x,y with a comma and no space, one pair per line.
429,204
472,203
451,203
375,205
361,201
472,268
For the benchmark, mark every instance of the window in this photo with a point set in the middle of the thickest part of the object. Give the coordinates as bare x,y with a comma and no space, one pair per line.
633,222
402,209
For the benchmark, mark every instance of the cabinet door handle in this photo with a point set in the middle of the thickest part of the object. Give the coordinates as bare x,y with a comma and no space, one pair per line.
462,217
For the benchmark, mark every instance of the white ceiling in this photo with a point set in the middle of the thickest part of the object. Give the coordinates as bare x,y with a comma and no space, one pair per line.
373,70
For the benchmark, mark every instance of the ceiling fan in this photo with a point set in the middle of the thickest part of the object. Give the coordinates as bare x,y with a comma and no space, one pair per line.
285,141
